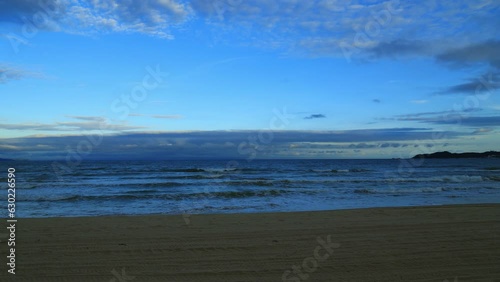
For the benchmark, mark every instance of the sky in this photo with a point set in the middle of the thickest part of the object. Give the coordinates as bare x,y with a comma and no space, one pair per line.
173,79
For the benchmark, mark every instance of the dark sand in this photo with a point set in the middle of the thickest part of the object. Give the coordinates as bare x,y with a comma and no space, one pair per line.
383,244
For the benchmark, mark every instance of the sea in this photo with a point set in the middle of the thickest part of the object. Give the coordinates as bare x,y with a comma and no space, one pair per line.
96,188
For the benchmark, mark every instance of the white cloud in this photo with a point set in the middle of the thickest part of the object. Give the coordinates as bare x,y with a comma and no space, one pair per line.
82,123
216,143
322,26
10,73
376,28
152,17
10,147
157,116
419,101
168,116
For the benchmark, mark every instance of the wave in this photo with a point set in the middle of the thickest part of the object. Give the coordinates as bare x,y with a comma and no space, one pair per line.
140,191
97,168
364,191
156,184
25,186
339,170
492,168
194,177
259,183
352,170
400,191
242,194
44,177
359,170
244,183
143,194
212,170
462,178
182,170
137,185
494,178
444,178
200,180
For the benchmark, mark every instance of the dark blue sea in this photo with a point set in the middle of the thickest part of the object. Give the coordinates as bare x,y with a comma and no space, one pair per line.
193,187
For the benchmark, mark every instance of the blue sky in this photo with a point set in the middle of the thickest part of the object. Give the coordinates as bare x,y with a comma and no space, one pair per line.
181,79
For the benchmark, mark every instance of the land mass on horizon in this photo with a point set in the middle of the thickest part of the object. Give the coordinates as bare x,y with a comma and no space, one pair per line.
467,155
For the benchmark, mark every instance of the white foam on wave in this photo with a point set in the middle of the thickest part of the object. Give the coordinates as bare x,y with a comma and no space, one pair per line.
444,178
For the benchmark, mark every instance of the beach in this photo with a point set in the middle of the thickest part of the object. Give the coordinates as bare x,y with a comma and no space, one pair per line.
436,243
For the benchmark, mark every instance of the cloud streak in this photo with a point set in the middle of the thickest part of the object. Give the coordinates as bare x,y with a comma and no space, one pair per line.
10,73
151,17
44,14
483,52
215,144
452,118
167,116
83,123
473,86
315,116
376,28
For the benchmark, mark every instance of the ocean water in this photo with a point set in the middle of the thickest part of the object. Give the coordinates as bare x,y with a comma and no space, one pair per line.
194,187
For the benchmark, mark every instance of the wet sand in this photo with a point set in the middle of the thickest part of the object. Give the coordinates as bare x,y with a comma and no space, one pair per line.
382,244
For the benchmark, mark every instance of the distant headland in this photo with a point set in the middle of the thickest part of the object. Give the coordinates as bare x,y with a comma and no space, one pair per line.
448,155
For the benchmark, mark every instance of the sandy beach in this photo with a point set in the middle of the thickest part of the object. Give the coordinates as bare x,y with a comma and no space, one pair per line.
454,243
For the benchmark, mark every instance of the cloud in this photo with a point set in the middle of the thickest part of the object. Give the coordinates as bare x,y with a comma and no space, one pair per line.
315,116
486,51
452,118
477,54
400,47
436,113
43,14
419,101
488,82
483,130
88,118
10,73
377,30
84,123
168,116
493,121
157,116
384,28
151,17
10,147
214,144
483,52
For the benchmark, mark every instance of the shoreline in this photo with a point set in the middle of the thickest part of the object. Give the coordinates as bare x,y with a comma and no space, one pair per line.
413,243
265,212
